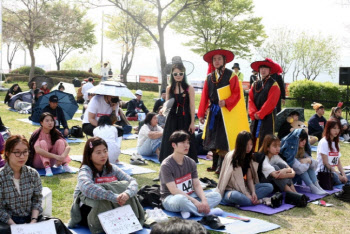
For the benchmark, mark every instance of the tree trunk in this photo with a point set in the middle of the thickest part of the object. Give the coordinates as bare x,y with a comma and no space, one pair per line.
58,64
32,57
10,66
124,76
162,59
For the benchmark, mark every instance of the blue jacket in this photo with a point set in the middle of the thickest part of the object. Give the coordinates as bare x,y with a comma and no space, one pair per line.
290,145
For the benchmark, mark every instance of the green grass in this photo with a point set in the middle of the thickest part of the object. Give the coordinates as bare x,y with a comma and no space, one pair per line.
313,218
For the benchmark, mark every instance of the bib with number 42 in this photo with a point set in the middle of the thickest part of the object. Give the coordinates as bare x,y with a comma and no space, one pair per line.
185,183
333,158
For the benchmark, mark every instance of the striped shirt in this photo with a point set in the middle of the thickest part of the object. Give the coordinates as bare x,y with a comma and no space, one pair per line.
86,184
21,204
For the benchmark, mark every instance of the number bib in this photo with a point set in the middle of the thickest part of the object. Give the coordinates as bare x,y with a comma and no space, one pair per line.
333,158
102,180
56,122
185,183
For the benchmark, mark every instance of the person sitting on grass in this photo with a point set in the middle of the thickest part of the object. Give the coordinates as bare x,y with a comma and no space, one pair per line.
101,186
11,92
297,151
44,88
272,168
336,113
109,133
180,187
150,136
48,147
317,122
20,186
328,152
238,182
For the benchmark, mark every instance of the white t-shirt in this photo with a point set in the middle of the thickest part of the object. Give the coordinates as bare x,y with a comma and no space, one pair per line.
85,88
267,167
143,134
99,107
333,156
16,182
110,135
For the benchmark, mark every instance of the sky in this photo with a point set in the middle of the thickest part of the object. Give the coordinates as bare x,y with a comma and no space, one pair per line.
328,17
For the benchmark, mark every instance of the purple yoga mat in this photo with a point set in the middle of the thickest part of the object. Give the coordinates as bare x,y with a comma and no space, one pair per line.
203,157
301,189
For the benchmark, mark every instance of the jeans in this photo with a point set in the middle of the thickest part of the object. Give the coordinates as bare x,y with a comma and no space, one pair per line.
309,177
237,198
149,147
179,202
337,180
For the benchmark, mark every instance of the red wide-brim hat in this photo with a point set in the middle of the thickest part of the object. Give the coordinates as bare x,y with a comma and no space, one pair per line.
274,67
208,57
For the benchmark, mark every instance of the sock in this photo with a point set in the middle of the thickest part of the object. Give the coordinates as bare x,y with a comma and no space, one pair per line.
216,211
315,190
185,214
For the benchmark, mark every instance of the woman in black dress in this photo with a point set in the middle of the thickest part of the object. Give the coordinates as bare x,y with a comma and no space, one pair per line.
181,115
12,91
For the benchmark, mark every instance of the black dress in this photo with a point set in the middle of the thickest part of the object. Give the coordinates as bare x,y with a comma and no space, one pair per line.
179,118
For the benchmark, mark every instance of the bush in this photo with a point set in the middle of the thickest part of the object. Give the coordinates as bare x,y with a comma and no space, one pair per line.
26,69
72,73
142,86
329,94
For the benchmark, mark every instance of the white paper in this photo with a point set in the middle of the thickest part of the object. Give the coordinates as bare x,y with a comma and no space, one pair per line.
120,220
225,221
45,227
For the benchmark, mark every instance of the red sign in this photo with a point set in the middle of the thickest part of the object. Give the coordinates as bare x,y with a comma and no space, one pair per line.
148,79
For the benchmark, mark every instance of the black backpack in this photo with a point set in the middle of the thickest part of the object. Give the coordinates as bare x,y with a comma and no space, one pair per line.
150,196
76,131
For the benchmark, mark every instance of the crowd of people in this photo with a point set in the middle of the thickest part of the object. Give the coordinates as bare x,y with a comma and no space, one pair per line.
259,164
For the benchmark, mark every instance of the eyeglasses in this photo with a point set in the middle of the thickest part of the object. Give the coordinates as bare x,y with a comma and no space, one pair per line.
18,154
178,74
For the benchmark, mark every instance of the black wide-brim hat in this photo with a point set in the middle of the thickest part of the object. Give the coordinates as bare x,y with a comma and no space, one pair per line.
236,65
274,67
208,57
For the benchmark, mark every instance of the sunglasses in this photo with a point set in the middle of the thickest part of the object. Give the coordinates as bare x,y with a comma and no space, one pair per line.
178,74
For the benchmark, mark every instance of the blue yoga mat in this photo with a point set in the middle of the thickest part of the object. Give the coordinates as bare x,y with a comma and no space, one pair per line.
314,148
11,109
130,136
85,230
29,122
56,170
153,158
74,140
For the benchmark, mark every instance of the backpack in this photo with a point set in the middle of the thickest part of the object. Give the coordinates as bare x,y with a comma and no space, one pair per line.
150,196
76,131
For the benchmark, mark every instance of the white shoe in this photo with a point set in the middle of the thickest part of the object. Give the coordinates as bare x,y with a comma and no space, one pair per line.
315,190
185,214
66,168
48,171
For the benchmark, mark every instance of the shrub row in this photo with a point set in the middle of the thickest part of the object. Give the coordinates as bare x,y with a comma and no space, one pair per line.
325,92
26,69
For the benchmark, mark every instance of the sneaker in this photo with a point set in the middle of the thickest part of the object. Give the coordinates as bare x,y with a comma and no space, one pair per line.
66,168
185,214
48,171
137,159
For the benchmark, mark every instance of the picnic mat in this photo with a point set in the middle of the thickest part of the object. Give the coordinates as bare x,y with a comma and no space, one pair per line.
301,189
130,151
29,122
74,140
314,148
11,109
127,168
254,226
130,136
204,157
55,170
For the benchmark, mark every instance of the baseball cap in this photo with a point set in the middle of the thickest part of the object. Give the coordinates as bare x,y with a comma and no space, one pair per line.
53,98
138,92
317,106
44,83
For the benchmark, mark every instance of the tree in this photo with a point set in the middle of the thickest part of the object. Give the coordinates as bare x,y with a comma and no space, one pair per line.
31,22
164,12
280,48
12,41
315,54
225,24
69,32
130,35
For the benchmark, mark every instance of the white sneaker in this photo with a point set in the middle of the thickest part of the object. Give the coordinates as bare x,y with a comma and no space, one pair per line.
66,168
48,171
185,214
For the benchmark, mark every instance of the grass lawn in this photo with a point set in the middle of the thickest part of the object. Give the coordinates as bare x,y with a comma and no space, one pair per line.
313,218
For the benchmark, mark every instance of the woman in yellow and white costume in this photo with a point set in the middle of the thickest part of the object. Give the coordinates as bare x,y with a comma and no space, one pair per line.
227,113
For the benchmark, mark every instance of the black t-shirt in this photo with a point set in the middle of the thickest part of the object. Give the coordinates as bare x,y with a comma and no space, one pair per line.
245,166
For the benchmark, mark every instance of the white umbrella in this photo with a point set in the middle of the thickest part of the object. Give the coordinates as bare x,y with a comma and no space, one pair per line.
112,88
68,88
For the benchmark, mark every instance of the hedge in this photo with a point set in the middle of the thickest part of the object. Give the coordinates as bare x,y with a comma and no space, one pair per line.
143,86
72,73
26,69
325,92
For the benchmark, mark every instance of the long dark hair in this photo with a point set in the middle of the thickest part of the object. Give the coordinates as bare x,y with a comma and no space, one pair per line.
104,120
302,136
331,123
268,141
89,148
240,154
54,133
184,84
